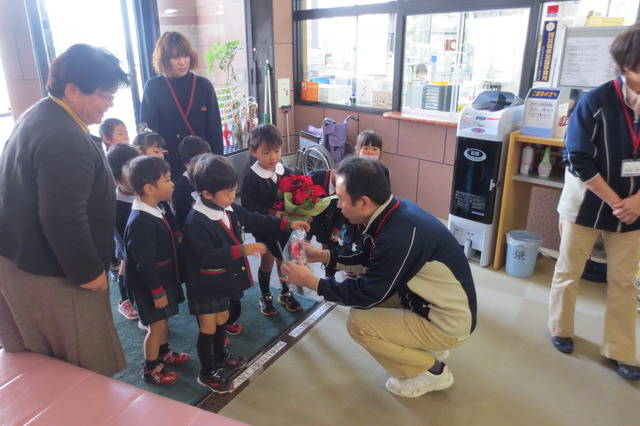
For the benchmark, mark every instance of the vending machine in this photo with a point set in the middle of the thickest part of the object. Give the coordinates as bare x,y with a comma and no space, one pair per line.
481,151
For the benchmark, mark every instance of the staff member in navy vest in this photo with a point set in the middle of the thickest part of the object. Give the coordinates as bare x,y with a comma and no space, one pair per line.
57,219
600,195
414,298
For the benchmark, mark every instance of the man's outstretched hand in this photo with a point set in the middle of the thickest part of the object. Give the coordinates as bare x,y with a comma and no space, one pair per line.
300,275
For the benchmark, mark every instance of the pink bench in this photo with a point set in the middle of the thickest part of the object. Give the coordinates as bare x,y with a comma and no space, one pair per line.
38,389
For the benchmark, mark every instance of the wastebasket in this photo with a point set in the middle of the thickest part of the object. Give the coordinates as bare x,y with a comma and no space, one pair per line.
522,252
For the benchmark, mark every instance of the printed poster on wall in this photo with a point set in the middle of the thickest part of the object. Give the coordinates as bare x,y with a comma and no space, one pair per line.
546,51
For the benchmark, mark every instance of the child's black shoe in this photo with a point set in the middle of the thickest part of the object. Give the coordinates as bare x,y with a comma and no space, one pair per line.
289,301
266,305
215,382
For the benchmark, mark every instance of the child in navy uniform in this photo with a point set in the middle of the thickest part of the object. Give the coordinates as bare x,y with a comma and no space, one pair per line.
326,226
117,158
217,265
151,271
112,132
151,143
259,192
191,149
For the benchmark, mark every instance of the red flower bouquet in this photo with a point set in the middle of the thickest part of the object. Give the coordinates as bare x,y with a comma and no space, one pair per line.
301,198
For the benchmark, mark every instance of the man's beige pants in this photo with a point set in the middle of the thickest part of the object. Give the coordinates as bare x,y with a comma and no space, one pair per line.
623,254
399,339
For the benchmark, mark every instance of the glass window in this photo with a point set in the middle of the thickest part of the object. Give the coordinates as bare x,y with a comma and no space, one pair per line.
321,4
349,61
450,58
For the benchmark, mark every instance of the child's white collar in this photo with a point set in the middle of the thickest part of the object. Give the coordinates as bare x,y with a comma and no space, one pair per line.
266,174
332,187
139,205
121,196
209,212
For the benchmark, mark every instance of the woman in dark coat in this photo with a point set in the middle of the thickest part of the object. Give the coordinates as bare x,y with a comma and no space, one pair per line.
58,217
179,103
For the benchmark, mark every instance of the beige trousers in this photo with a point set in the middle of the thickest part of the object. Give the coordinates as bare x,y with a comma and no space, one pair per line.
623,254
51,316
399,339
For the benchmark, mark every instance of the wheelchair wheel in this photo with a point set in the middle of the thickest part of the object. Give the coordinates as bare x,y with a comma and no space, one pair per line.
316,157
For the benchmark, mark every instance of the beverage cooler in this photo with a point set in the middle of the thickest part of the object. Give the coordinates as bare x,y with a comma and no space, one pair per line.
481,151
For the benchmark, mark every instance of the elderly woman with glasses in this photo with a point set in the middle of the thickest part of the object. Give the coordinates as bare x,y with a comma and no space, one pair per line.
57,219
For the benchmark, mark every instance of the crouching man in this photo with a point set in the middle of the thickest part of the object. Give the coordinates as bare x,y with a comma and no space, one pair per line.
414,297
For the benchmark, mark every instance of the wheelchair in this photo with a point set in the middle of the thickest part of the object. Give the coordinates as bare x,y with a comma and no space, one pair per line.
323,147
312,155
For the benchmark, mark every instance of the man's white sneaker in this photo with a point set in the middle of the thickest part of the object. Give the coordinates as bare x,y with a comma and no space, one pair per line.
441,355
420,384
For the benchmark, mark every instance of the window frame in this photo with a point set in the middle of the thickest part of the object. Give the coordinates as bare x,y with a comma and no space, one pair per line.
402,9
146,21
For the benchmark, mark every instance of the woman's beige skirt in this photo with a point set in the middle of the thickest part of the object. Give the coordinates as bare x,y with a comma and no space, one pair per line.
51,316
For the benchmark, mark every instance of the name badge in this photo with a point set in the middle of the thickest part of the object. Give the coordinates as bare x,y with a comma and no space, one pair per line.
630,168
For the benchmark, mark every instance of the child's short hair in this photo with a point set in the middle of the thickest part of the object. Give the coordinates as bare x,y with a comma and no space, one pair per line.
146,140
192,146
146,169
108,126
267,134
118,157
192,165
213,173
369,138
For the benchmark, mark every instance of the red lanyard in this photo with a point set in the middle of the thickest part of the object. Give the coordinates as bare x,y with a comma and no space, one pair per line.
175,98
635,138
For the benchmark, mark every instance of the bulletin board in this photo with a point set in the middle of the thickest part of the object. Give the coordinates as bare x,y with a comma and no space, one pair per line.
586,62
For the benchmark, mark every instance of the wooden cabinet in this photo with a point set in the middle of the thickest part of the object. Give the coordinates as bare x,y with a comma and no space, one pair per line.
517,190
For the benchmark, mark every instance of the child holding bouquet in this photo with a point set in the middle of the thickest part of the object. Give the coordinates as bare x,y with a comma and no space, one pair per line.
217,265
259,193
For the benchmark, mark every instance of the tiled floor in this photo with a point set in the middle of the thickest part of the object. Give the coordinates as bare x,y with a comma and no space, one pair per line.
506,374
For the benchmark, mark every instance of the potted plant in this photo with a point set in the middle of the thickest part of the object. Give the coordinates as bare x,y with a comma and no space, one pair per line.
223,54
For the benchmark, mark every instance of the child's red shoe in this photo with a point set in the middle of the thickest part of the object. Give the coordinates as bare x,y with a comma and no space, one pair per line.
174,358
233,329
159,376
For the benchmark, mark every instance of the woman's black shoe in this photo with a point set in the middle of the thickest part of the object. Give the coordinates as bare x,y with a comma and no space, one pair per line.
563,344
